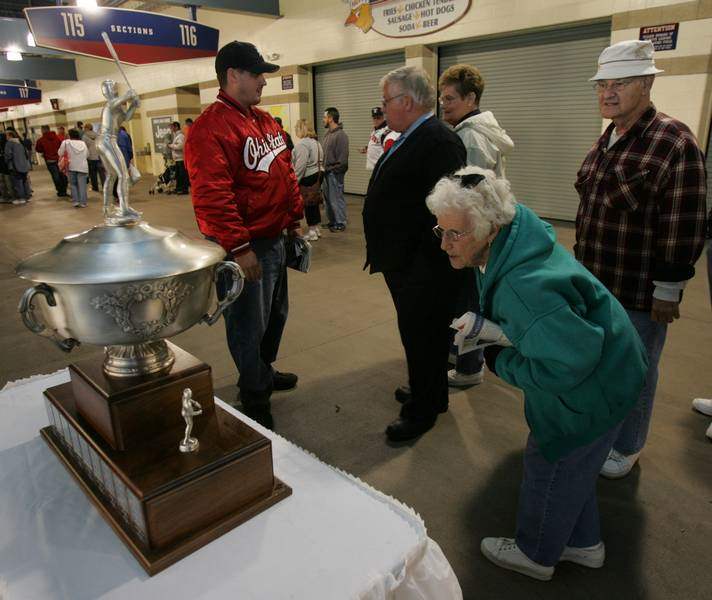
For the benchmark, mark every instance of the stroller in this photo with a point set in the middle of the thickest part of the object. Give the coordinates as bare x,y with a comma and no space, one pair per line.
166,182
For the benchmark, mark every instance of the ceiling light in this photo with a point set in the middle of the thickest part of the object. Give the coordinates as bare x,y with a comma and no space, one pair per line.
13,55
31,39
86,3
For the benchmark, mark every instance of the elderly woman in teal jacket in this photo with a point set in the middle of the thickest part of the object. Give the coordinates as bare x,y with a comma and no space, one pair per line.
551,329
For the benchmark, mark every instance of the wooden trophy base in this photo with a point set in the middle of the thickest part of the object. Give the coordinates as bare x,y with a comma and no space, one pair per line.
163,503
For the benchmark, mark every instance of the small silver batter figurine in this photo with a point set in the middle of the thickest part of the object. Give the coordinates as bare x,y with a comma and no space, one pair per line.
189,409
112,116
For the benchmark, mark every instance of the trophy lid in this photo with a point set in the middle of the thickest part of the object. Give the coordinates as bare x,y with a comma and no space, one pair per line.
107,254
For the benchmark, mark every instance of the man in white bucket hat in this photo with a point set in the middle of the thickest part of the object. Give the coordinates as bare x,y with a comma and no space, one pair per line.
640,225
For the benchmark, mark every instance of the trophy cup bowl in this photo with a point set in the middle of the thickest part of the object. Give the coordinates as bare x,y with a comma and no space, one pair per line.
126,288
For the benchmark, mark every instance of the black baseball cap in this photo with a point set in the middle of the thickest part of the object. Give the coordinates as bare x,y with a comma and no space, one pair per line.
376,111
242,55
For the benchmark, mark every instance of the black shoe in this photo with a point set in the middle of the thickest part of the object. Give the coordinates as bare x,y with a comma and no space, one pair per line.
338,228
327,225
284,381
403,429
403,394
262,415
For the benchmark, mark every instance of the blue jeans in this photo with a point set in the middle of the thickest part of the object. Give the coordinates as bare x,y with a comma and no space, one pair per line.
635,427
78,183
557,501
472,362
334,194
255,321
58,178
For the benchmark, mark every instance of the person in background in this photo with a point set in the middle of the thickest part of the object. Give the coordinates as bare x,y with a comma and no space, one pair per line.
290,143
461,88
640,225
176,147
704,405
566,342
97,175
48,147
380,140
336,163
308,161
80,126
78,155
18,165
61,133
125,144
7,188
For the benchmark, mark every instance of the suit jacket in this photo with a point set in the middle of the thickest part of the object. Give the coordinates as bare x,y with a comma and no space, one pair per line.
396,222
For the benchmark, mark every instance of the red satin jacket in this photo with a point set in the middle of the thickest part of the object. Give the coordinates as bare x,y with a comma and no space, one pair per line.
242,181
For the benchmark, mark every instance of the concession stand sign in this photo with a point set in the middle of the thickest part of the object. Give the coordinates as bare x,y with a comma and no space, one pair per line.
405,18
16,95
140,38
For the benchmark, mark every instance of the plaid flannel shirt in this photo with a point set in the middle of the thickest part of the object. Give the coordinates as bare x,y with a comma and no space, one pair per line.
642,211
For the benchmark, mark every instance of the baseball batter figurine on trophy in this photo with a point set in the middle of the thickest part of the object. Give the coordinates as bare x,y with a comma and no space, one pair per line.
112,116
189,409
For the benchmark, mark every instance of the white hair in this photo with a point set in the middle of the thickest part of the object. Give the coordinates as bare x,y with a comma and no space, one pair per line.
413,82
490,203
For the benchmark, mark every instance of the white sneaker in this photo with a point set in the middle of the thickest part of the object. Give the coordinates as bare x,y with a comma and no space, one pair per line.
708,433
703,405
618,465
505,553
19,202
592,557
311,236
460,380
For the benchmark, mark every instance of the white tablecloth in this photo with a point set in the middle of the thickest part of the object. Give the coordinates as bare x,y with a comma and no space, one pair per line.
335,537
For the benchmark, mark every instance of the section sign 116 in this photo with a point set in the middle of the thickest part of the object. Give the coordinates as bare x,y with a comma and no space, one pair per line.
139,37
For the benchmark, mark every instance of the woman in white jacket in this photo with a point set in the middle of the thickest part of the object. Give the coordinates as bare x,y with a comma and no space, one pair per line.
487,144
77,154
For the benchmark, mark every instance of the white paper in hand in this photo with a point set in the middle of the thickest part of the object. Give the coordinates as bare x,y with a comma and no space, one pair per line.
475,332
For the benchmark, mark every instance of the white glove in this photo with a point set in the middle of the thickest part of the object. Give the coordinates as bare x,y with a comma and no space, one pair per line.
475,332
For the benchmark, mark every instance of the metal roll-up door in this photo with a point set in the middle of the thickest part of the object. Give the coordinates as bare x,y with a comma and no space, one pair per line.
536,84
352,87
709,171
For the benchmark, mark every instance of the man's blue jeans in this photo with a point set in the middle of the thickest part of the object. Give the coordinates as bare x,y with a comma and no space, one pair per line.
255,321
58,178
635,427
335,203
557,501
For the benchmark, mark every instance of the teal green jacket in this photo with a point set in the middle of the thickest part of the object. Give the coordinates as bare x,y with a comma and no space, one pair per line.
576,355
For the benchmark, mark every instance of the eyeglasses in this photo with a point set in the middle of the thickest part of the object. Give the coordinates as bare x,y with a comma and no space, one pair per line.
448,99
385,101
616,85
450,235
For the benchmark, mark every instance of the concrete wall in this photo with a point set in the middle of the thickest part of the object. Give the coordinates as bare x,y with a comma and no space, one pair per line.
313,32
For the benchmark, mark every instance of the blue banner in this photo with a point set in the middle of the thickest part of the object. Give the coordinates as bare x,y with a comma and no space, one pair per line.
16,95
139,37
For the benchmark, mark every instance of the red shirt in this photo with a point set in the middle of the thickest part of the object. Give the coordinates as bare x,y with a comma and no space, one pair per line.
242,181
48,146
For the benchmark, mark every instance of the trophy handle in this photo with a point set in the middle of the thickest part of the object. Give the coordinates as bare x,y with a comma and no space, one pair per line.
27,313
238,282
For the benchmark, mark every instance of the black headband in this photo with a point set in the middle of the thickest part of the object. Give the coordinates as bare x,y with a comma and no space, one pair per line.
471,180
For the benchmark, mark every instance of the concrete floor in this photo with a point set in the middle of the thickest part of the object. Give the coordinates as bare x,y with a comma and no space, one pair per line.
463,476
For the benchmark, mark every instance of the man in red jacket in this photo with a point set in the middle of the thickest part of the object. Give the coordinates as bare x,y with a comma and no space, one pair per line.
245,194
48,146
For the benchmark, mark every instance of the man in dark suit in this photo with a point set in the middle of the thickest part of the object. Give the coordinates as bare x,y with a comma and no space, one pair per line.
401,245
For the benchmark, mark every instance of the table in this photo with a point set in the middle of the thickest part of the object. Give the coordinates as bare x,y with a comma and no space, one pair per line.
335,537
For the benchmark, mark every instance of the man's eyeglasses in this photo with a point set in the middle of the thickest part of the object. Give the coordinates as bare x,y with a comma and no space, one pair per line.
616,85
385,101
450,235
